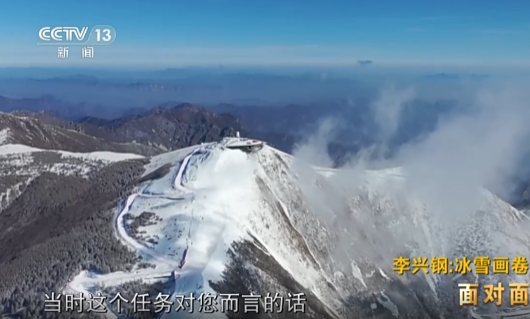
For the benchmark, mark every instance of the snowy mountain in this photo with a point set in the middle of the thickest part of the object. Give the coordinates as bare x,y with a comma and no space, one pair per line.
211,219
42,130
86,214
21,164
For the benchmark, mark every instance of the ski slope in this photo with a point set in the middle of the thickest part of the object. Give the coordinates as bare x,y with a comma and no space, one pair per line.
204,203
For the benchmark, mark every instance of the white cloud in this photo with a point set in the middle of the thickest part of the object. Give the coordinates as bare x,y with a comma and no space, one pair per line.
446,168
313,150
388,108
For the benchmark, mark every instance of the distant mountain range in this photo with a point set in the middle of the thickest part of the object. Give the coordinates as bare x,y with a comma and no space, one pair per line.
210,87
357,127
63,109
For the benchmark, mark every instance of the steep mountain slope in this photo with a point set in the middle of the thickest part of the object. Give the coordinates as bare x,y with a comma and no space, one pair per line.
218,220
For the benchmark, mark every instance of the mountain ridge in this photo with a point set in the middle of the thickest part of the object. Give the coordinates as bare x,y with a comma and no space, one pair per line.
43,130
170,128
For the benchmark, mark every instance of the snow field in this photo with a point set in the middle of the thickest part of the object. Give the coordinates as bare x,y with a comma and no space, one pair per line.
8,149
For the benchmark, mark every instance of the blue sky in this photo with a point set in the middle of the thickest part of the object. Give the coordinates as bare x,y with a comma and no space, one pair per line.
285,32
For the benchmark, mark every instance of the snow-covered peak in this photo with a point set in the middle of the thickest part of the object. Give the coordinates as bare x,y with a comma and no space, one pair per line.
212,209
